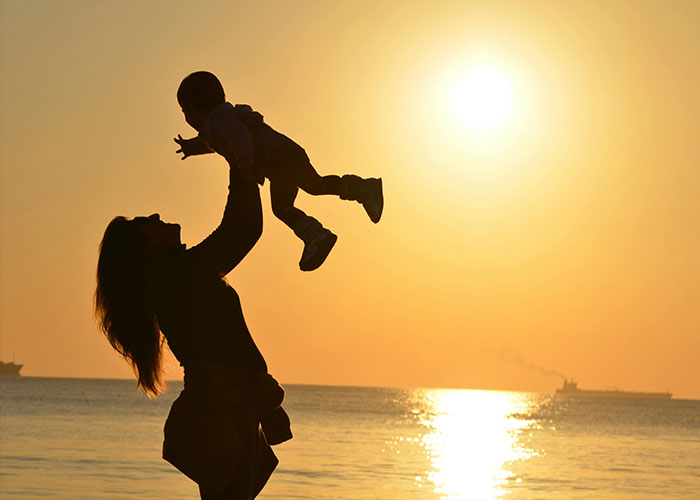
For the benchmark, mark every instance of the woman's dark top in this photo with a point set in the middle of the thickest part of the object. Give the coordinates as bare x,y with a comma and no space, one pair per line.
197,311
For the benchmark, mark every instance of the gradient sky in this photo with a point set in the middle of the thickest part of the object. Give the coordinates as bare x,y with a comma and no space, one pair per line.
566,239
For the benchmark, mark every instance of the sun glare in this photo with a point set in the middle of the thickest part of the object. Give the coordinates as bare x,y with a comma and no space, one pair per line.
482,98
472,452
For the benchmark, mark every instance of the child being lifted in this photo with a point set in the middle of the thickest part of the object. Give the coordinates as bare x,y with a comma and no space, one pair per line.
240,135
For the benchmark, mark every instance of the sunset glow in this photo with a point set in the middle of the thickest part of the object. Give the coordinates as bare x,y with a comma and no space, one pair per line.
483,99
539,166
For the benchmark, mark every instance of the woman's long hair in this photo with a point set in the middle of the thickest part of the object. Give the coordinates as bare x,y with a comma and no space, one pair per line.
127,321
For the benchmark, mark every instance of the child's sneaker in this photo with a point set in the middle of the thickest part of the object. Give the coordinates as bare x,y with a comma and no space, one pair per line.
318,242
373,199
367,192
317,245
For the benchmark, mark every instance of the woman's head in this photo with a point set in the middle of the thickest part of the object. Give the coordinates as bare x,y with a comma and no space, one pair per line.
129,250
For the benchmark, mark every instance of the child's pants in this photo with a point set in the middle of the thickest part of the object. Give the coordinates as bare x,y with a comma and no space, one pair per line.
288,170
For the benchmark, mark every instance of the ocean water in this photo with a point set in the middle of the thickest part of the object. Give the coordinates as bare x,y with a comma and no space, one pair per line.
98,439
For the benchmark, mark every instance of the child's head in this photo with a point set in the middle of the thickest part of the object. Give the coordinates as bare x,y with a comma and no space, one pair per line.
198,94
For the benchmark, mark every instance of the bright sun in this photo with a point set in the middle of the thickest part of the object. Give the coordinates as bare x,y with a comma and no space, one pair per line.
482,98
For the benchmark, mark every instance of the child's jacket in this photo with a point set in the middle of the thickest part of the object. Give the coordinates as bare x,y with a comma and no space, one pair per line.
239,134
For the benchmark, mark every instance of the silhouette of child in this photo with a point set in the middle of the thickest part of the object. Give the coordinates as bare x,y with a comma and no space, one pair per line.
240,135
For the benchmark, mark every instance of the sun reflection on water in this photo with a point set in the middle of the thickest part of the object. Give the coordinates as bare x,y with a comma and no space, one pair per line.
473,437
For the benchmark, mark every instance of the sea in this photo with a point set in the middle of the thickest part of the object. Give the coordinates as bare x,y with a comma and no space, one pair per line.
76,439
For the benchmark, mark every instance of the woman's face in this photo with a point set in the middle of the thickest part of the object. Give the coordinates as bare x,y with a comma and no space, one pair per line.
159,234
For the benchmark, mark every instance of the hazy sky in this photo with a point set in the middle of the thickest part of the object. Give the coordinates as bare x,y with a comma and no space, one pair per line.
559,232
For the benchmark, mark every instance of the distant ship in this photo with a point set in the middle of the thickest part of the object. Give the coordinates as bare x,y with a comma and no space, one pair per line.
9,369
570,388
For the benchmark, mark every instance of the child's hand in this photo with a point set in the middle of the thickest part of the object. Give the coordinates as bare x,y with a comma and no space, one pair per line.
191,147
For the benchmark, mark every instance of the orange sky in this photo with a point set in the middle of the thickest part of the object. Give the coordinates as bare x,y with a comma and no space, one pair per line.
565,239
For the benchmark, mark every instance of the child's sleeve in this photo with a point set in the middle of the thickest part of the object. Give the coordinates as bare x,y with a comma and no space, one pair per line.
229,137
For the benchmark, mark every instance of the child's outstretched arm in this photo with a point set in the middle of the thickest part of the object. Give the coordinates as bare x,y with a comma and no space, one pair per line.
191,147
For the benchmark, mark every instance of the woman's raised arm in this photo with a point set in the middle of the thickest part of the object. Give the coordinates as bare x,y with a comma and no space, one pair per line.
239,230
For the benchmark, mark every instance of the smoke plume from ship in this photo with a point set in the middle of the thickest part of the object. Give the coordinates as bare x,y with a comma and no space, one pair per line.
516,359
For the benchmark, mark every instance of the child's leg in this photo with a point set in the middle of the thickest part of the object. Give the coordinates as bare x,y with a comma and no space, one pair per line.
308,179
282,196
318,241
367,192
295,168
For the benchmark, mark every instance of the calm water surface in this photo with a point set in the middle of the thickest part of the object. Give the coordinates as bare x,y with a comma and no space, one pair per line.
97,439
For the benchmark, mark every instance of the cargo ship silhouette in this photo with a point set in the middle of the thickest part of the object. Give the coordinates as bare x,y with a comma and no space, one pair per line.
9,369
570,388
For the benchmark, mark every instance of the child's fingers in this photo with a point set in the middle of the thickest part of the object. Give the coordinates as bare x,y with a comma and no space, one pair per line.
179,151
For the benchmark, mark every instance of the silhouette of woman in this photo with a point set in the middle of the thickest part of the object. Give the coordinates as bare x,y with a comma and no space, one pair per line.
220,428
